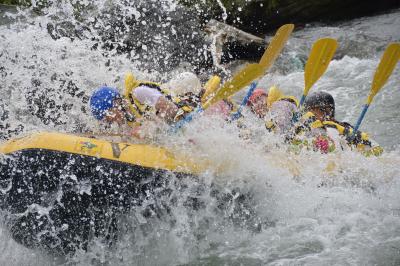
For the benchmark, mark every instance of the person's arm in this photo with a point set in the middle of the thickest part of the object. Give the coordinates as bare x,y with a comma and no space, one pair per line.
164,108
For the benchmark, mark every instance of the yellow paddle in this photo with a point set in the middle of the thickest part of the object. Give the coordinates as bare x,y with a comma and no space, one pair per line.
240,80
320,56
210,87
275,46
130,82
254,71
246,75
388,62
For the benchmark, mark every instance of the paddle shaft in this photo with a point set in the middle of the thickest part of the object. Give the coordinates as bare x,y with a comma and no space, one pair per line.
297,115
360,119
189,117
246,98
248,74
303,98
199,110
385,68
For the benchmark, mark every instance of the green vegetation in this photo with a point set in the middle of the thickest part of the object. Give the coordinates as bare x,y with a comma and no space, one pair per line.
79,9
15,2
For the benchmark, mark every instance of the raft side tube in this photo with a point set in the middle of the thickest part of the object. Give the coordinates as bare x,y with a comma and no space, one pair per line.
58,201
135,154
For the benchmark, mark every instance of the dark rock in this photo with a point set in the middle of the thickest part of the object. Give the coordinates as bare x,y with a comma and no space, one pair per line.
261,16
232,43
157,35
154,34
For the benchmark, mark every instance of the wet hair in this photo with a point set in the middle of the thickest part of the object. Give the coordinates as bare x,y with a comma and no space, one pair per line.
323,101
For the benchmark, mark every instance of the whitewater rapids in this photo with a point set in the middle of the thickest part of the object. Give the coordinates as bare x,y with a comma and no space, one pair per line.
315,210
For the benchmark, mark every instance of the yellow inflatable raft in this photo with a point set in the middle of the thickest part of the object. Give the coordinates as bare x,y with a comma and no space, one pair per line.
58,190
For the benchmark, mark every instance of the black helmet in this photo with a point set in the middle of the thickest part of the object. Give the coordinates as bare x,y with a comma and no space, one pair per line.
321,100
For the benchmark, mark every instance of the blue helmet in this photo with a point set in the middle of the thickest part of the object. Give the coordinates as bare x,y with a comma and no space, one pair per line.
102,100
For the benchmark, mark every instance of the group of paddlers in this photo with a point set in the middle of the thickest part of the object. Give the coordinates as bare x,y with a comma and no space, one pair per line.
309,124
314,126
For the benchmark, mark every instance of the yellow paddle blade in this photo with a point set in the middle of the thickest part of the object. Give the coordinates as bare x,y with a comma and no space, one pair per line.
211,86
130,82
240,80
275,46
273,95
321,55
385,68
253,71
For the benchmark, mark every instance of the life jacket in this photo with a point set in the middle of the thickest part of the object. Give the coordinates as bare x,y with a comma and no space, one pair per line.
185,104
270,124
308,134
360,141
290,99
344,129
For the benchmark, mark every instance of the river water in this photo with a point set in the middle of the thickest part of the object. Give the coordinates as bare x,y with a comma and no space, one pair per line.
310,213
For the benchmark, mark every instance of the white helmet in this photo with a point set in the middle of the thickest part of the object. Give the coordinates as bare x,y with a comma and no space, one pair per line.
185,82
